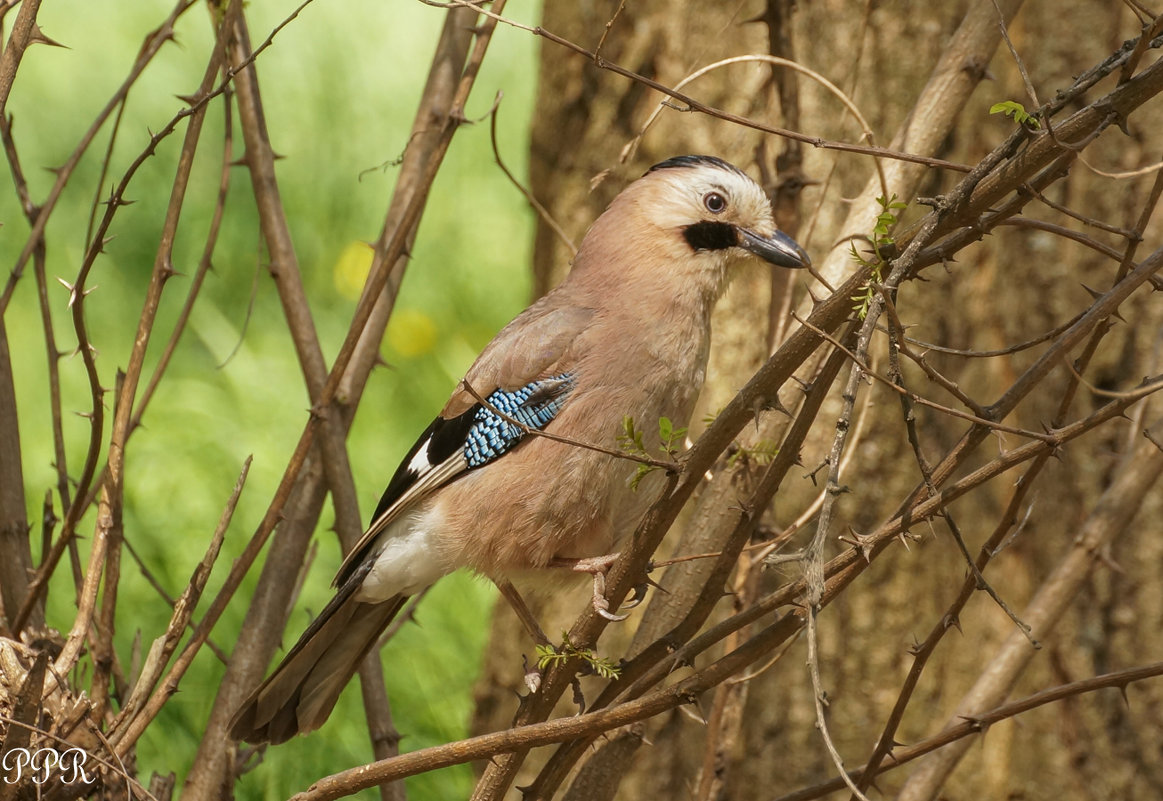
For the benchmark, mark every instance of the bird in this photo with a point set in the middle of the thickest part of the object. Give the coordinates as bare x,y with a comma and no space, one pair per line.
625,335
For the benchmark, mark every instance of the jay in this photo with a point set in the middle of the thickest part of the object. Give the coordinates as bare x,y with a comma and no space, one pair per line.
625,334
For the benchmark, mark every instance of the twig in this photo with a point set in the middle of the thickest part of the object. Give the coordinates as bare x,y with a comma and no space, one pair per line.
542,212
139,712
77,294
866,130
702,108
900,390
153,43
979,723
105,763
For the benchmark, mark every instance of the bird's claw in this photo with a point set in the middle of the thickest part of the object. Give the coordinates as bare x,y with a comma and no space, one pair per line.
532,675
608,615
601,605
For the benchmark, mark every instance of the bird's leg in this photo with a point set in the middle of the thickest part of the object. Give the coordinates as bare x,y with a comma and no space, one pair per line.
596,566
517,604
522,610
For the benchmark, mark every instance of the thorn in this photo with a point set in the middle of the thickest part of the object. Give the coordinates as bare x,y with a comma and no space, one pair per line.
974,723
858,541
693,701
37,37
1105,556
72,292
774,405
756,408
1094,293
803,385
190,100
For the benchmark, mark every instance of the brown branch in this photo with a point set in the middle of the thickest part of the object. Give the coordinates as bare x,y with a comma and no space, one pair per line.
677,616
77,296
21,36
694,105
986,354
979,723
205,262
109,504
848,565
542,212
949,619
153,43
450,81
1111,517
138,712
860,362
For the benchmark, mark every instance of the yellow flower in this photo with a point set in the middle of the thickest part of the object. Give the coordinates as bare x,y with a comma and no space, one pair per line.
411,333
351,269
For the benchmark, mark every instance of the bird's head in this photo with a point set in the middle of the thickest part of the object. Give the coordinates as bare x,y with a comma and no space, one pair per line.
688,217
717,209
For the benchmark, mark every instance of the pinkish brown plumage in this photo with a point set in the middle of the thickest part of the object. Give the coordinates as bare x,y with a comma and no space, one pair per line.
625,334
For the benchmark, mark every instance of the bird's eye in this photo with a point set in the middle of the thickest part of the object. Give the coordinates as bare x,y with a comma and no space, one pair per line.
714,202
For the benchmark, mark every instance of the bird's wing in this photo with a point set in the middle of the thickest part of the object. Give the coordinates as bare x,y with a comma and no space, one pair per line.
525,375
535,344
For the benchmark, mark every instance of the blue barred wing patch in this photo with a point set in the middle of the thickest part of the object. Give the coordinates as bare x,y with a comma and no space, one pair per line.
534,405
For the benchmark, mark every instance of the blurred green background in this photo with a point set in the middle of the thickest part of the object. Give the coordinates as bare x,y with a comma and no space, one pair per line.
340,87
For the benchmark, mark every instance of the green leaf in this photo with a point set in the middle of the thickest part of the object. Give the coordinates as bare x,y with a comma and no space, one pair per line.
1011,108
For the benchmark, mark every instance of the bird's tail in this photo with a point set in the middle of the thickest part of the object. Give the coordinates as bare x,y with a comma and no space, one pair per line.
301,693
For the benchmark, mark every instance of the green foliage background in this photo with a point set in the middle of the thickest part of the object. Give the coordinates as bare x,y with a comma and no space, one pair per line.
340,86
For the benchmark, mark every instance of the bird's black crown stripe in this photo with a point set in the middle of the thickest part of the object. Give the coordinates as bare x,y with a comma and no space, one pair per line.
711,235
695,161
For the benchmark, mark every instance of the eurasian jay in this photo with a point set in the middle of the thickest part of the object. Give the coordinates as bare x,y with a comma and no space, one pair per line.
625,334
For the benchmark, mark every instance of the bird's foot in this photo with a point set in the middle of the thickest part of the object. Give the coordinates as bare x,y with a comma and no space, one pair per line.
532,675
598,566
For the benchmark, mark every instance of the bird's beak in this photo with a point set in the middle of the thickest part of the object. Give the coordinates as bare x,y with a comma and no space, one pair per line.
779,248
